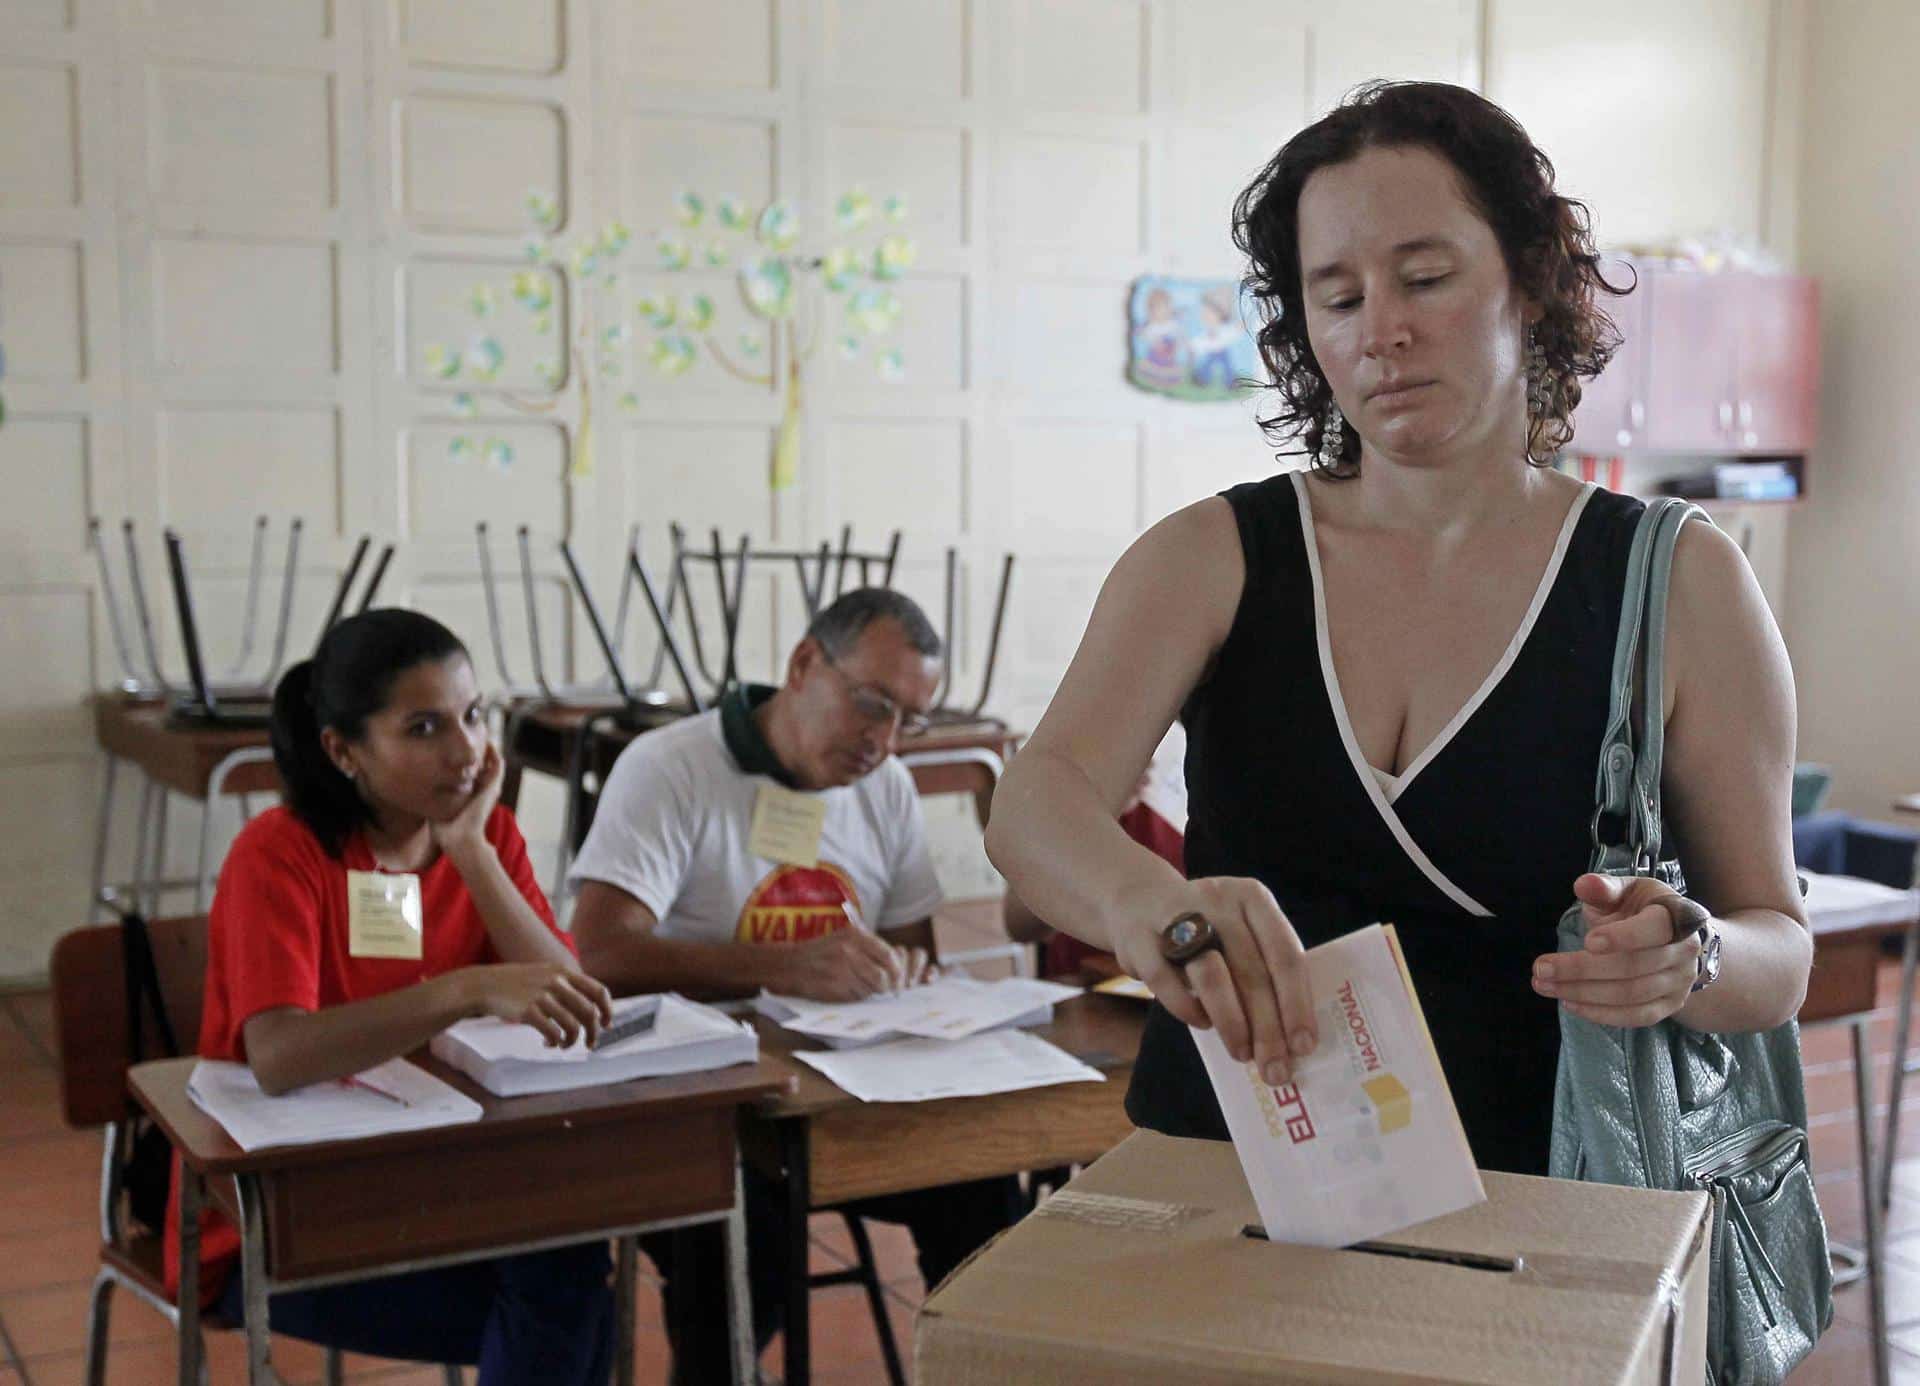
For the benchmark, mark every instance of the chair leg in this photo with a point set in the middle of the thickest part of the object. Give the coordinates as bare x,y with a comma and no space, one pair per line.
876,1298
333,1373
451,1375
99,1310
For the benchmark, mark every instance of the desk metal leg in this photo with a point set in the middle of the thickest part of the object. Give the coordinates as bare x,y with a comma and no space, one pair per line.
1869,1198
157,873
253,1284
739,1286
625,1252
798,1327
1902,1029
188,1357
102,834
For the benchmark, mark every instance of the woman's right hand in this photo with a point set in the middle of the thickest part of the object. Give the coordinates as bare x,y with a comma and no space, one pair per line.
560,1003
1253,990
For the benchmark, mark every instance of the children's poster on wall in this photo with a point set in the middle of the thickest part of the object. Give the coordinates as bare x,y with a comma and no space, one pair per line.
1188,338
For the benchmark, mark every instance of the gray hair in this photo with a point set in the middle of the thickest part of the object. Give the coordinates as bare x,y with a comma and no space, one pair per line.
837,627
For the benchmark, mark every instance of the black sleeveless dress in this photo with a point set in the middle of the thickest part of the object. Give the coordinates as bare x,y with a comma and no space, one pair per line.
1471,856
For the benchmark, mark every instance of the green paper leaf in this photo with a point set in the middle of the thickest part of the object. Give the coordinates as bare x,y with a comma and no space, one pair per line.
894,256
874,310
689,208
767,286
674,252
657,309
839,267
778,228
673,354
853,209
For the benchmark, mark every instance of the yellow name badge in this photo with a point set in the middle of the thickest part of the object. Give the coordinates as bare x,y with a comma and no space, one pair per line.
383,915
786,826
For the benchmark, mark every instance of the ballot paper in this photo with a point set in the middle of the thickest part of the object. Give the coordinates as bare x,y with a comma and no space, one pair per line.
923,1070
1123,985
949,1008
1365,1140
512,1059
393,1096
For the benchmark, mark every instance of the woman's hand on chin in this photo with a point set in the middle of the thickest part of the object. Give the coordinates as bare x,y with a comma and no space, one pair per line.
467,828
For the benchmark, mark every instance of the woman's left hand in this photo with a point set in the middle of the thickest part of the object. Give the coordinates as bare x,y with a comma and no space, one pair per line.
1632,971
469,825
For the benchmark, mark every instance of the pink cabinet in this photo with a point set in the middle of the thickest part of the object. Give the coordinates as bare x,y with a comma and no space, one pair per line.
1713,363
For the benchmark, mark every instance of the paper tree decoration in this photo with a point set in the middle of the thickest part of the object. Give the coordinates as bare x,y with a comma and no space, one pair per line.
585,271
778,285
774,279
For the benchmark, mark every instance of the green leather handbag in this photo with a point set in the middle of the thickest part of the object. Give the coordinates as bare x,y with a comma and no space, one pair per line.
1666,1107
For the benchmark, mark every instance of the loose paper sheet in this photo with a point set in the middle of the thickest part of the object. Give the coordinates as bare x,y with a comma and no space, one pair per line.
923,1070
948,1008
393,1096
1365,1140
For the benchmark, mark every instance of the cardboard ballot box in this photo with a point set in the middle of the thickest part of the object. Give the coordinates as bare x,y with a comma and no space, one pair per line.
1140,1270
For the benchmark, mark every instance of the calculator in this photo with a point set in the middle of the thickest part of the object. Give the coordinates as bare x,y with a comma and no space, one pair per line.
631,1017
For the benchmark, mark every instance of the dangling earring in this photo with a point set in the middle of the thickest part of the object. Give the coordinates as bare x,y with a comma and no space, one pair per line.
1333,436
1536,378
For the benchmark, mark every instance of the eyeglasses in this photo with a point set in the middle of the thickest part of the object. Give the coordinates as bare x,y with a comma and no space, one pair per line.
875,705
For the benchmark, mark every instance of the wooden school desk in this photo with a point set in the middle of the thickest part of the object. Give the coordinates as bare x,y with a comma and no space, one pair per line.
533,1172
829,1146
202,763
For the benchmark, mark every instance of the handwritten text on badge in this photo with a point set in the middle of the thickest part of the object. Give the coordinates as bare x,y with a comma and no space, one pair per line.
786,826
383,915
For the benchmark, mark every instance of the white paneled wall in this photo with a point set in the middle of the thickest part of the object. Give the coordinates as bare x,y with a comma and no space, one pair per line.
229,229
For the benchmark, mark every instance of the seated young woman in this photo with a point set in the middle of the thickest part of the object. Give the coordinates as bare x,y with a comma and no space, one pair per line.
381,741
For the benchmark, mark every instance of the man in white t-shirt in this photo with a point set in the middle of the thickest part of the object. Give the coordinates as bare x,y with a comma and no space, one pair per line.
771,843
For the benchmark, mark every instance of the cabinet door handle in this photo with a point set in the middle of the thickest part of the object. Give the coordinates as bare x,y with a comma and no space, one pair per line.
1726,415
1746,413
1637,414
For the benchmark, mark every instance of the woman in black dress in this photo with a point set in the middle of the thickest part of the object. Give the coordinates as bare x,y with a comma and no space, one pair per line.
1394,666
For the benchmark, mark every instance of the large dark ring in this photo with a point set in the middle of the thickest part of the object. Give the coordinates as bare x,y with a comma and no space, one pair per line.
1688,916
1187,937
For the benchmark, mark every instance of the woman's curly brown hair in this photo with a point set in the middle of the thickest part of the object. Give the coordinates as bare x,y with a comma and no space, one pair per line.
1546,239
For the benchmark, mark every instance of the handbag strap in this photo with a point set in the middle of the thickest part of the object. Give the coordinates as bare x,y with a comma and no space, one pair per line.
1627,788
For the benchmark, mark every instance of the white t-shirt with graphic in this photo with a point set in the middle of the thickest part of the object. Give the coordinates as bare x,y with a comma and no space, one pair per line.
672,830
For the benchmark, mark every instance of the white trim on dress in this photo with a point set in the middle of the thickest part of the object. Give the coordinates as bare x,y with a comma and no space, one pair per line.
1383,787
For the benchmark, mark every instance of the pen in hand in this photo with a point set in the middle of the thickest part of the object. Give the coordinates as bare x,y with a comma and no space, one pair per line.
354,1080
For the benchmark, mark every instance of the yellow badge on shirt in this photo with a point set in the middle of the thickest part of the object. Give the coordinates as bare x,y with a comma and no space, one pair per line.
786,826
384,915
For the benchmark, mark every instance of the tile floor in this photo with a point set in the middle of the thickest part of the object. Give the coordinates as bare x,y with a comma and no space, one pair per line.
48,1243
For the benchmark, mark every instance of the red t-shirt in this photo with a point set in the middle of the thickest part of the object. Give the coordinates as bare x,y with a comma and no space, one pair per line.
1065,955
277,936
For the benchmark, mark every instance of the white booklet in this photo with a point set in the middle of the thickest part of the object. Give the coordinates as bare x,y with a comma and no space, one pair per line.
1365,1140
924,1070
947,1008
512,1059
393,1096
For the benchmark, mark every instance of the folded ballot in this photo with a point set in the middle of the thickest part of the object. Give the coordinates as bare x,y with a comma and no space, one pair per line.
389,1097
948,1008
512,1059
1365,1140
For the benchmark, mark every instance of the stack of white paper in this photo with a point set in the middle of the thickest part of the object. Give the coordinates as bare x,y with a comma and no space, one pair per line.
394,1096
513,1059
1365,1140
949,1008
922,1070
